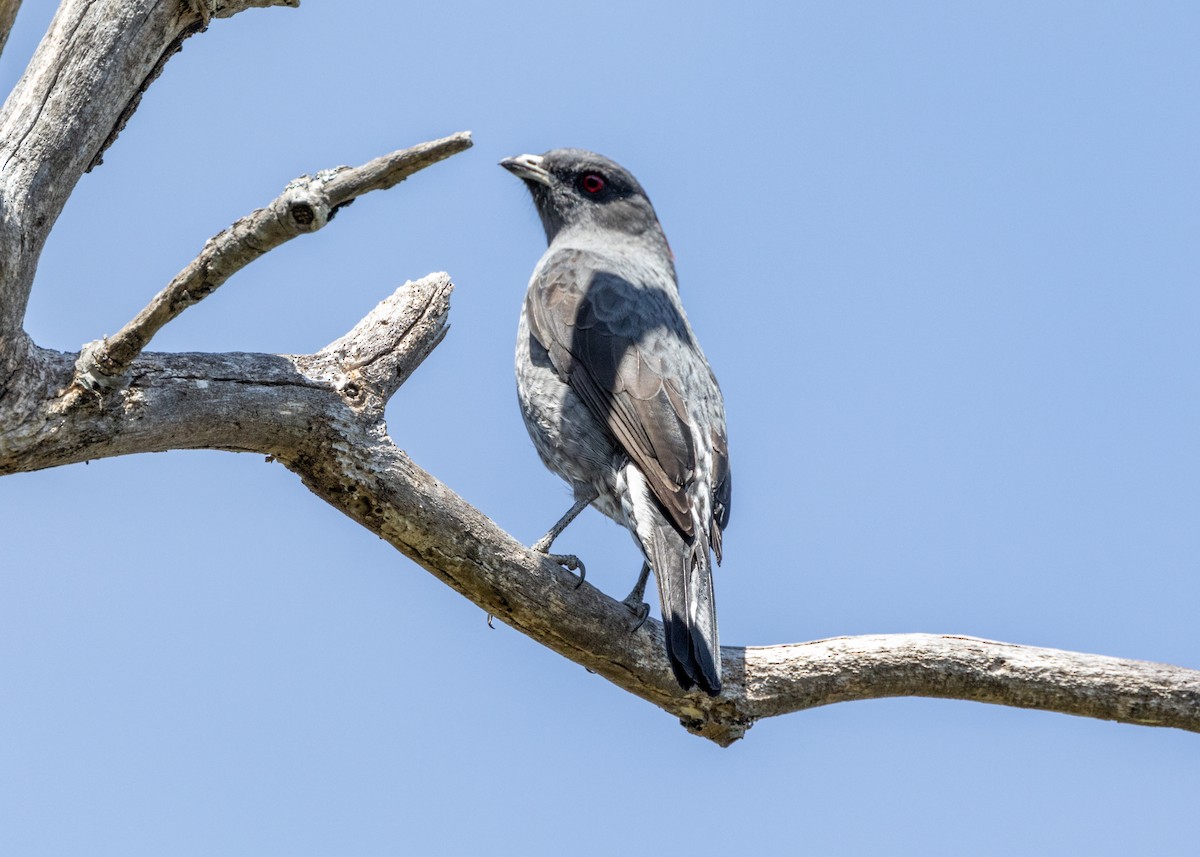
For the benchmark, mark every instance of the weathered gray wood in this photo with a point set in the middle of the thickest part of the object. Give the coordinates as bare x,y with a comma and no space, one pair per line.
82,84
321,416
305,206
8,15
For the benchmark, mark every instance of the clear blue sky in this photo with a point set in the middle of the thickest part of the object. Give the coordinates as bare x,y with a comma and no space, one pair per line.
943,258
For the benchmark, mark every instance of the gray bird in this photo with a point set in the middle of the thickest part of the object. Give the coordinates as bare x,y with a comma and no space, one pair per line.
617,395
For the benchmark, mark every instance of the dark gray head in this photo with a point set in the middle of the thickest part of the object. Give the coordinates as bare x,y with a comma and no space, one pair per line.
574,187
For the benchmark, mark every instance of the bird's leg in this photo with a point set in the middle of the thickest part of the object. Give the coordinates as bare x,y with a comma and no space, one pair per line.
568,561
542,545
635,600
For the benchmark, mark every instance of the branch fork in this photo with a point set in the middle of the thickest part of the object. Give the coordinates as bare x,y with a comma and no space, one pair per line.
321,415
306,205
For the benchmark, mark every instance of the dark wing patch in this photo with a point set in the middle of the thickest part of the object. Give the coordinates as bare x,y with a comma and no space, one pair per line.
603,333
722,490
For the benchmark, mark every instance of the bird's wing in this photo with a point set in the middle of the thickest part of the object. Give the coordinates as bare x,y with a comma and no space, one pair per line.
626,351
722,487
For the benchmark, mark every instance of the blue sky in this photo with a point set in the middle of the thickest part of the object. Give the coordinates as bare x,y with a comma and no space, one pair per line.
943,258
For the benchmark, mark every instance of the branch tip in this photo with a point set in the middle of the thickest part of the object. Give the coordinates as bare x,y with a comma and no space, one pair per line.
381,352
306,205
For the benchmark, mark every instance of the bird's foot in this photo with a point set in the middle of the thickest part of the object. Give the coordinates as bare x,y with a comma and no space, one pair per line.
570,562
640,610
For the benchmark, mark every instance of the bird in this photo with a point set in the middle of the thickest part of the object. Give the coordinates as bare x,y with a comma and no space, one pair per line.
618,397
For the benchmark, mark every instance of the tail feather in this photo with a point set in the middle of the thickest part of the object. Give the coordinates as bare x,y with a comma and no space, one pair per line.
683,573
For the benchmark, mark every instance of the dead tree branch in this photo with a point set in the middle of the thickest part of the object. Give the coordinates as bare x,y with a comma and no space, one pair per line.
305,206
321,415
83,82
8,16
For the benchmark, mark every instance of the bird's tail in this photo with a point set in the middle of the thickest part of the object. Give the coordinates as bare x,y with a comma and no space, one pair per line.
683,573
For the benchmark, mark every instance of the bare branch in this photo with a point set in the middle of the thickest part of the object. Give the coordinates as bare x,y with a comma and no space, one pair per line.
383,350
321,415
393,497
305,206
8,15
82,84
343,185
774,680
262,403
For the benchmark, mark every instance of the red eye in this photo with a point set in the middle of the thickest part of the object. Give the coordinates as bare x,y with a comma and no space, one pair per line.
592,183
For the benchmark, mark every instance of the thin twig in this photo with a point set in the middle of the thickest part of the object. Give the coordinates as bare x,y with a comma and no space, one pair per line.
305,206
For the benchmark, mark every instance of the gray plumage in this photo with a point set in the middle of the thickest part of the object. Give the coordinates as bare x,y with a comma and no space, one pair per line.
616,393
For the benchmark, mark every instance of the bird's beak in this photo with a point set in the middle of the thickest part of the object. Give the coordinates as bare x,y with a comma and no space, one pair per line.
527,167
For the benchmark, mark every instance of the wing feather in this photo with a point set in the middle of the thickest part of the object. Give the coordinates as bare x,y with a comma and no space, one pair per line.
602,333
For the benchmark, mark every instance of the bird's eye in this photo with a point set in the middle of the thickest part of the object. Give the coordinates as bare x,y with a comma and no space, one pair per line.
592,183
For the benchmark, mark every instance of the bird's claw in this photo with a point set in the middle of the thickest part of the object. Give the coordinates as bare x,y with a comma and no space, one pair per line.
571,563
640,610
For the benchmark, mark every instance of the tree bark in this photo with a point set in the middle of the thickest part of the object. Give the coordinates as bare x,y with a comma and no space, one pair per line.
8,15
321,416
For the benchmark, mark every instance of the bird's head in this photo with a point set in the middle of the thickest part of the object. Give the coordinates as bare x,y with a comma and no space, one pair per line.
574,188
